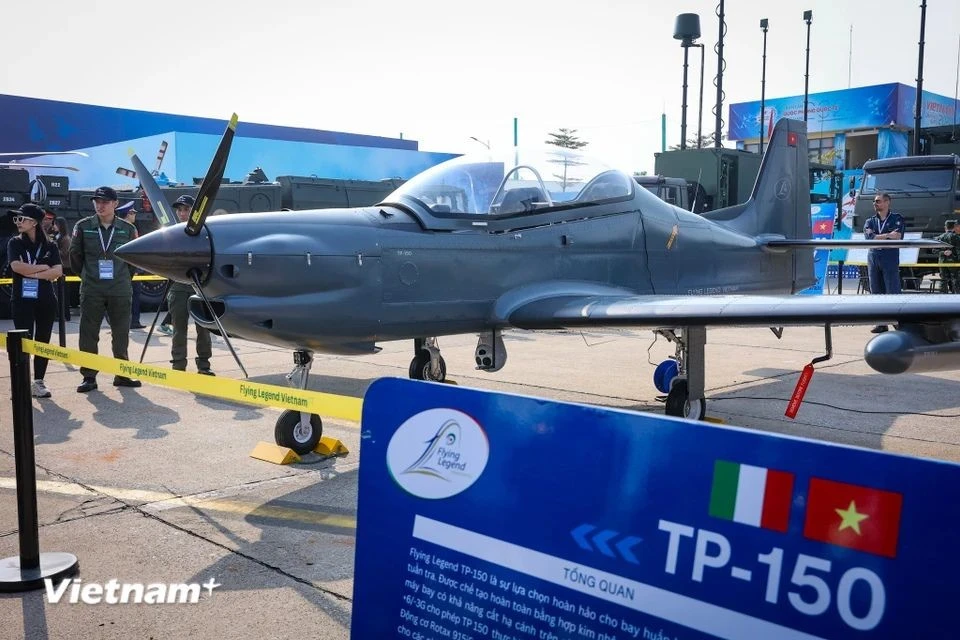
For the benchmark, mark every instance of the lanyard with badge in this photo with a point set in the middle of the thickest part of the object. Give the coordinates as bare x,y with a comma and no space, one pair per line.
881,225
106,266
31,286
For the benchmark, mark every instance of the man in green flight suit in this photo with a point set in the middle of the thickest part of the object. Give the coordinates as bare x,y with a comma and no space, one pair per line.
105,282
950,276
177,296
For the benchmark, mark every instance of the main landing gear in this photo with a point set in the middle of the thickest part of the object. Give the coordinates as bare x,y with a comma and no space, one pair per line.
297,430
427,363
682,377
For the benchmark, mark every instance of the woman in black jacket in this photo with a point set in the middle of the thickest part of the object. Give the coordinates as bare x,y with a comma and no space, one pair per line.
35,262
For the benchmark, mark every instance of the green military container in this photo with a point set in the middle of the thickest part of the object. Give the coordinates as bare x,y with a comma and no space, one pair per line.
726,175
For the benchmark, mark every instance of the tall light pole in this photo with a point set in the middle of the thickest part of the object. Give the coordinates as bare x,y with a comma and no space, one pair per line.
916,123
808,18
686,29
486,144
764,23
700,104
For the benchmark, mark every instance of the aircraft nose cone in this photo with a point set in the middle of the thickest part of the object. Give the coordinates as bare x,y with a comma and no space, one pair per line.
170,253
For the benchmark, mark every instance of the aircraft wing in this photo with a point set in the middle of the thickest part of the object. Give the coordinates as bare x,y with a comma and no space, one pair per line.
569,311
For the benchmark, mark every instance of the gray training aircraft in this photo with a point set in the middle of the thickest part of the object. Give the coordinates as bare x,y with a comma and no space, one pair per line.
550,240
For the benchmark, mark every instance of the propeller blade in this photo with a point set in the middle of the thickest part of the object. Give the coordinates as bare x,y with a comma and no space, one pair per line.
44,153
157,200
16,165
195,275
163,296
211,182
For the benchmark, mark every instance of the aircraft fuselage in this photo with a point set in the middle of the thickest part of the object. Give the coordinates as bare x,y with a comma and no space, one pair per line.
340,281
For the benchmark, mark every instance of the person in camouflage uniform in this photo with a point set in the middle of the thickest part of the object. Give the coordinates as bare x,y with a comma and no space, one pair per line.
177,297
950,276
105,282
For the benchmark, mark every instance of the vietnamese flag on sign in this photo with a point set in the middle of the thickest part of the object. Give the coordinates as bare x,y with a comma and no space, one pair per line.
823,228
852,516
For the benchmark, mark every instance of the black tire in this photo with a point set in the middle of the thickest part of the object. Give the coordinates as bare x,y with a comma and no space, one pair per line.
420,368
679,404
288,432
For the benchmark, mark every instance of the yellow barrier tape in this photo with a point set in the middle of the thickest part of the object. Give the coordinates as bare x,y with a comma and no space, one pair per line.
77,279
322,404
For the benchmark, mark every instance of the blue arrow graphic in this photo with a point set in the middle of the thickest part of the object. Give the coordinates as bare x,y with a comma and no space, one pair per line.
579,533
601,540
625,545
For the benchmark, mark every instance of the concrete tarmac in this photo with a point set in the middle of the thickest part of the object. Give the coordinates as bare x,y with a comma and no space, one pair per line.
155,485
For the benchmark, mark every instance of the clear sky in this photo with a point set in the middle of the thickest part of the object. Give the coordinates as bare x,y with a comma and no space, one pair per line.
441,71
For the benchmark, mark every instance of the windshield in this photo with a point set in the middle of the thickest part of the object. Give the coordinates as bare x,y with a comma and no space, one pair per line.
517,181
911,180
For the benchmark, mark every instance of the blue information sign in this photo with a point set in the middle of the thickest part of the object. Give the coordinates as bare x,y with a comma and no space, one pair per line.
486,515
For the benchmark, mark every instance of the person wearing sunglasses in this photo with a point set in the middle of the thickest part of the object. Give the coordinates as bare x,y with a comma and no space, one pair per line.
35,262
883,265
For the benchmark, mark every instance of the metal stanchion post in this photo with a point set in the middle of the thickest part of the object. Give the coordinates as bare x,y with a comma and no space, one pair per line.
27,571
839,277
62,303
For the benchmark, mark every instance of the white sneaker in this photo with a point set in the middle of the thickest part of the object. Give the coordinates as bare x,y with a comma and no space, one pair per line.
40,390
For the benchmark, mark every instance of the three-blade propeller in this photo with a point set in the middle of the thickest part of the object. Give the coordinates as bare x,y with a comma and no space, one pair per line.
198,215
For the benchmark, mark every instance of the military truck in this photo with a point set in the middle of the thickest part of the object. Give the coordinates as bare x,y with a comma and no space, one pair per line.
925,190
676,191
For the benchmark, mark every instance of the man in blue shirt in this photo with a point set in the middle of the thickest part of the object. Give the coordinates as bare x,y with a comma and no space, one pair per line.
883,265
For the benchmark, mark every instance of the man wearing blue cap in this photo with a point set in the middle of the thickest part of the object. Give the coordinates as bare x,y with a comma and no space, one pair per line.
105,282
177,297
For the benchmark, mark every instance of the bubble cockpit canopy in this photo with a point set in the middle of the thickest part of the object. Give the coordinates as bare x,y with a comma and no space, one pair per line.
516,181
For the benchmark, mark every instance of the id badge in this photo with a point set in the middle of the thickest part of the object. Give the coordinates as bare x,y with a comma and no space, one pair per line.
106,269
31,286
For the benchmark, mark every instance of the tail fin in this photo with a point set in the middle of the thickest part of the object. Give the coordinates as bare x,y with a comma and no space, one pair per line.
780,202
779,206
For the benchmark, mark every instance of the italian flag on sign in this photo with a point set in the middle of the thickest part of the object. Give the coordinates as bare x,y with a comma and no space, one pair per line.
751,495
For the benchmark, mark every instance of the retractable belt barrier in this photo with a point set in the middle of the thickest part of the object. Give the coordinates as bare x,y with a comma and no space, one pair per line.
322,404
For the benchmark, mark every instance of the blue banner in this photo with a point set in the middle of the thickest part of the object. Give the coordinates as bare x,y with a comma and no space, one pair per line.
891,144
842,110
935,110
481,515
822,218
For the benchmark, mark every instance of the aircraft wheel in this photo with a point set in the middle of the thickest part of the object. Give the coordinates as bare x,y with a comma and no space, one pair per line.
290,433
420,368
679,404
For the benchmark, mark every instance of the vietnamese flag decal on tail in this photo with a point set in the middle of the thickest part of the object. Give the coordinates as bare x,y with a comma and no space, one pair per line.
852,516
751,495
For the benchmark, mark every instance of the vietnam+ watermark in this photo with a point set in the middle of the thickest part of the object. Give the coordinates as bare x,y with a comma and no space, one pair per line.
76,591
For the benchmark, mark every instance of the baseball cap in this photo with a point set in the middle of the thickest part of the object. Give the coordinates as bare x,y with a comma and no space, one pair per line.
104,193
29,210
126,209
185,200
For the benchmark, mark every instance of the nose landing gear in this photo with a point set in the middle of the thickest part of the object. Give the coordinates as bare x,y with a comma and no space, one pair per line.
297,430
